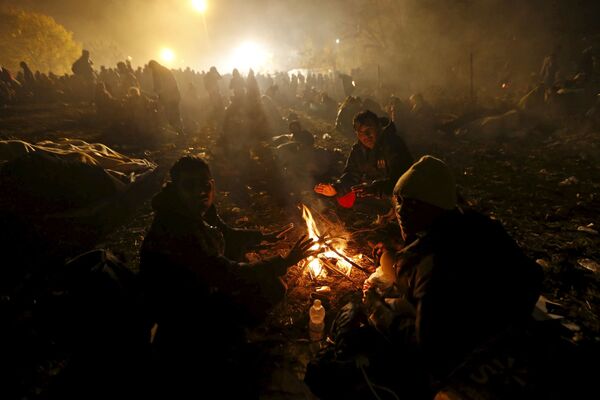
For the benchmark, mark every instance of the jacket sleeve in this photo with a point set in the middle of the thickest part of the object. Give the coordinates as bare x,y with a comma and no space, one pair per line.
170,265
398,159
351,175
253,287
235,238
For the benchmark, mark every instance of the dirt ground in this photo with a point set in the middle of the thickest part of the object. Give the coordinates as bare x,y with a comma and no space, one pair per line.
544,188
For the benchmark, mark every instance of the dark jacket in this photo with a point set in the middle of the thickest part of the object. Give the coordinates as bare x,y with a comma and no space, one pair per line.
193,290
83,67
467,280
165,85
381,166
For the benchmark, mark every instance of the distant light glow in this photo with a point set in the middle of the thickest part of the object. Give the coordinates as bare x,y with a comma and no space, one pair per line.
199,5
250,55
167,55
337,41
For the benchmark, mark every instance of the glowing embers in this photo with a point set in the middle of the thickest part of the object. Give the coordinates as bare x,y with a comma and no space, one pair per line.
332,254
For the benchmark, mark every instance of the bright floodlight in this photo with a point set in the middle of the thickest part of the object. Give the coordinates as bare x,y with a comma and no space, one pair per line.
337,41
199,5
250,55
167,55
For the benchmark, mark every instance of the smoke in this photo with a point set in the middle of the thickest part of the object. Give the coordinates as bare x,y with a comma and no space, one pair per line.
411,45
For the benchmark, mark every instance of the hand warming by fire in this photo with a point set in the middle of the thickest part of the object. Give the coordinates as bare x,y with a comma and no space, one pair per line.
331,250
278,205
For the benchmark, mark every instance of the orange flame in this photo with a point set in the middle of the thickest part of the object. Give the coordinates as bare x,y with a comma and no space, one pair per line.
315,264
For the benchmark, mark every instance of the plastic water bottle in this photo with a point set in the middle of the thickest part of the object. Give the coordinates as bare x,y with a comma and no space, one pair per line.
316,325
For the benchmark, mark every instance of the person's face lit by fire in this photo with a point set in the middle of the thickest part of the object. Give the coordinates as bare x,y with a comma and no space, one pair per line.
196,191
367,135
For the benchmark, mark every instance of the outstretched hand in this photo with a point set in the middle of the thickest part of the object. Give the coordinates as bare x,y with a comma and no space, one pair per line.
300,250
326,189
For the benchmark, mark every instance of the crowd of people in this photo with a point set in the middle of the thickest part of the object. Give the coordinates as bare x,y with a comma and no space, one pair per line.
432,299
144,102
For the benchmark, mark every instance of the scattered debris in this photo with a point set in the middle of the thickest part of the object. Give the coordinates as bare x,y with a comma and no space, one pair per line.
590,265
587,229
242,220
571,326
543,263
569,181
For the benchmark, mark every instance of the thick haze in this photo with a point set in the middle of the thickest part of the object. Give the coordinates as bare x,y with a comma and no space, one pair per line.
425,43
141,28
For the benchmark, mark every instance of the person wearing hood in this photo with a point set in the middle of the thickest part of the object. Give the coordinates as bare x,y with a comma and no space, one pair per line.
201,298
458,281
165,86
375,163
82,67
211,84
237,84
28,78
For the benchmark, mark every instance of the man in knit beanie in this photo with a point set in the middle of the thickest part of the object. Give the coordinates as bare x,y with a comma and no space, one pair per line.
422,194
459,280
464,276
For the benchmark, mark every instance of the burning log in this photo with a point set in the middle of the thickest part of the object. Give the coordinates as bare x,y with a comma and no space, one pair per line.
331,267
332,249
347,259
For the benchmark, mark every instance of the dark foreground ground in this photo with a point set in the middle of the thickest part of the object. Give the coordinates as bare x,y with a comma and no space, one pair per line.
544,188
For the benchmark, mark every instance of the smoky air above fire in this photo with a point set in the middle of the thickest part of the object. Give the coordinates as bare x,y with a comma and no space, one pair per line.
428,43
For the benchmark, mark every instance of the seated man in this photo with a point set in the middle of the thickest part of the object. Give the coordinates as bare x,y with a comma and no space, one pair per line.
201,300
375,163
459,280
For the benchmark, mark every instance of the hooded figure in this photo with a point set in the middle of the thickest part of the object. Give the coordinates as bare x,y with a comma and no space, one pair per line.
28,77
237,85
166,87
83,66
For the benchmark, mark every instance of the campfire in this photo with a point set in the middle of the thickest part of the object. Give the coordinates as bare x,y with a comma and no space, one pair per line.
332,255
